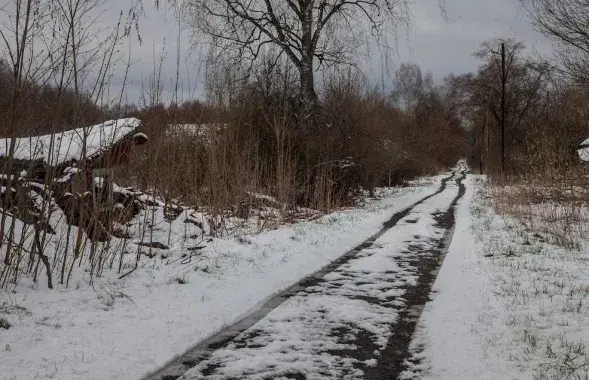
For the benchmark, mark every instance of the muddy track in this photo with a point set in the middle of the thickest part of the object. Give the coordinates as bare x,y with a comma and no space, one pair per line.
396,353
393,358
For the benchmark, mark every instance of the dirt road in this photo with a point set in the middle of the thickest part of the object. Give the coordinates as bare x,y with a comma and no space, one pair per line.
353,319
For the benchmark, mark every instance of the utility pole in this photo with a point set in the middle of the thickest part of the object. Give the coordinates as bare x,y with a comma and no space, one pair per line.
487,154
485,139
483,158
503,82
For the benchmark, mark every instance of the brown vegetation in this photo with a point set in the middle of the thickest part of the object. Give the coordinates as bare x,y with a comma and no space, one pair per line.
544,122
362,140
253,142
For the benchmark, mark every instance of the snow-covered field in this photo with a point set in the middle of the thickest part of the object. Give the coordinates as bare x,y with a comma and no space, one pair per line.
125,328
511,300
508,302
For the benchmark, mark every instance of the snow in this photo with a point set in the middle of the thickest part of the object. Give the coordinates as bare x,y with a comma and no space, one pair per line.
508,303
126,328
194,130
583,150
99,182
58,148
584,154
263,196
448,343
315,332
69,172
140,136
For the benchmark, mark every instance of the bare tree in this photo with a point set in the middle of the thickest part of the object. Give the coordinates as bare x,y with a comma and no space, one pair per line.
524,79
309,33
410,84
565,21
479,98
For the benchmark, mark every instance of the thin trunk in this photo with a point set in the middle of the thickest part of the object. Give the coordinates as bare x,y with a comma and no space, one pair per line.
503,82
65,254
43,258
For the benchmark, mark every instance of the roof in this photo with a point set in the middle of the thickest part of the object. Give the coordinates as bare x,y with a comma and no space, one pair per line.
58,148
194,130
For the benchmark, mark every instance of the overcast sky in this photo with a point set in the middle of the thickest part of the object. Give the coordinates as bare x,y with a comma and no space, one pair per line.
440,45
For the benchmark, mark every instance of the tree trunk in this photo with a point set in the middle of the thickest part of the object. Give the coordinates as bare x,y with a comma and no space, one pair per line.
43,257
308,95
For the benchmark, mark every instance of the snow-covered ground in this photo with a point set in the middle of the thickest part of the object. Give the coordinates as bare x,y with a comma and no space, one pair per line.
450,336
511,300
507,304
337,328
123,329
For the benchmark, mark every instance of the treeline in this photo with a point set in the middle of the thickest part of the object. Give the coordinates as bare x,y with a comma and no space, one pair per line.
249,138
545,105
543,113
43,106
363,137
273,126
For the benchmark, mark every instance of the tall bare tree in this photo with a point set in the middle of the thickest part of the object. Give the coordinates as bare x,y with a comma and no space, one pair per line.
309,33
480,95
565,21
524,79
410,84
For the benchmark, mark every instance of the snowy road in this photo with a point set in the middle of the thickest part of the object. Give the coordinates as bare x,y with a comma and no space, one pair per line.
351,320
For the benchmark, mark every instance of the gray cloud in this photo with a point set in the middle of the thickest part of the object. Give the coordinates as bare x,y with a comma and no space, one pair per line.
446,46
439,45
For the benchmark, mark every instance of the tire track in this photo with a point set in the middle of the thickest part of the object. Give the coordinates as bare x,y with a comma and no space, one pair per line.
393,358
204,350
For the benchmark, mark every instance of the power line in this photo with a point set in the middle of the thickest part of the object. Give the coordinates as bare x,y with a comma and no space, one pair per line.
517,19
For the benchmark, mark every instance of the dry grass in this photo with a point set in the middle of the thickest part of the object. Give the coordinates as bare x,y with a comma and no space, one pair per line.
556,209
358,140
530,235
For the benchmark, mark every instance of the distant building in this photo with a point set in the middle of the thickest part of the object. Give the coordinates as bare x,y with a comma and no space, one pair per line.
206,132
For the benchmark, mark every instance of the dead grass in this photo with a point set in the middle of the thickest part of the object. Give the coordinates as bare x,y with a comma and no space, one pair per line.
555,211
538,276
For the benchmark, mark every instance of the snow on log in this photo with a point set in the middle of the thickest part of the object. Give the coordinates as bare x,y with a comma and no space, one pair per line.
583,150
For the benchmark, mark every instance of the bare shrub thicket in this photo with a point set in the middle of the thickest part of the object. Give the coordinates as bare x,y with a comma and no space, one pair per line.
54,70
252,143
544,114
363,140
